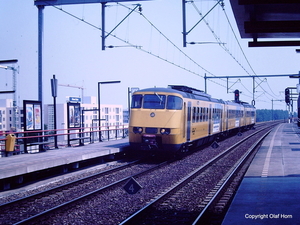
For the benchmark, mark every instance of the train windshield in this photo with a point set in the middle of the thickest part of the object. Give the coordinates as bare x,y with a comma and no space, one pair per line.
174,102
154,101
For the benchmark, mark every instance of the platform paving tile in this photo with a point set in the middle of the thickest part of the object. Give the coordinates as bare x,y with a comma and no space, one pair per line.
26,163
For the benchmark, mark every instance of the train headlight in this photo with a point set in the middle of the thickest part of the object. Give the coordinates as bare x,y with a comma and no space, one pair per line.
165,130
137,130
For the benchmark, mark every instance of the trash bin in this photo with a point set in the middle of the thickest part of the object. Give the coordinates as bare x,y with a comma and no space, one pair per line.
10,142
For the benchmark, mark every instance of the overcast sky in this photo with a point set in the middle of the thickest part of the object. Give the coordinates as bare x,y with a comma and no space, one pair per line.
148,52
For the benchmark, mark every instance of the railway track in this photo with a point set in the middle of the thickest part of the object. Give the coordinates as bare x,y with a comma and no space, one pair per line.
29,208
108,203
172,206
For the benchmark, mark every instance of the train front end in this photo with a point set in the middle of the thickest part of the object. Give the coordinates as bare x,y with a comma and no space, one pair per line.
155,120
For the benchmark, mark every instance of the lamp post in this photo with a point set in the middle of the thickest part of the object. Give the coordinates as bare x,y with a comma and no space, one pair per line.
54,95
99,109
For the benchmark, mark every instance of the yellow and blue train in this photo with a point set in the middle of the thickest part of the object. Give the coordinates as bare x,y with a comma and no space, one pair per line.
173,119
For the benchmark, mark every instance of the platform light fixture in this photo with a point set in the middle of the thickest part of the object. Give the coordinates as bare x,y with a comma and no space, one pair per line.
99,109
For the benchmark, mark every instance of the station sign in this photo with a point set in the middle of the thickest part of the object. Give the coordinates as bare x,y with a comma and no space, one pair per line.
134,89
74,99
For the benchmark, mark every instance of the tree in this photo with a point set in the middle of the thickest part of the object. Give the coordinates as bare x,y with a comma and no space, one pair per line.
268,115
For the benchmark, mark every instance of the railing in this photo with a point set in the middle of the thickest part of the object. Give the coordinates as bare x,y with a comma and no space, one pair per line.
42,140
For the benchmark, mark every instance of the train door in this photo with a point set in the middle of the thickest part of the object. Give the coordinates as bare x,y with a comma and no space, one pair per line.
221,111
209,120
188,127
227,116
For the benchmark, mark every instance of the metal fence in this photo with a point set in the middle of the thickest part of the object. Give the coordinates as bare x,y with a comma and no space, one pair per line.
42,140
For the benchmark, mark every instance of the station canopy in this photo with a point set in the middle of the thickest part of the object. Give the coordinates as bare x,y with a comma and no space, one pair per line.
268,19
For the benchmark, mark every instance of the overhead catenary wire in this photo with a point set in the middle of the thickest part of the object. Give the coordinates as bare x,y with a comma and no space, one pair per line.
169,41
176,47
146,51
218,38
239,46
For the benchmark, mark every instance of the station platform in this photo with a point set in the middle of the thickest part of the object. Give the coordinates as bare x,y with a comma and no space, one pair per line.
270,191
18,165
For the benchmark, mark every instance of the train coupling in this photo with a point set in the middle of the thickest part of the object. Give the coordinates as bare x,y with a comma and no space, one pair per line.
149,141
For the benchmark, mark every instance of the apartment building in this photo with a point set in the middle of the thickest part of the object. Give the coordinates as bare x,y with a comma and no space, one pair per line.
11,118
111,117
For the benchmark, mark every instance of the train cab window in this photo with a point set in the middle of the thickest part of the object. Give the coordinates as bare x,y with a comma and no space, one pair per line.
155,101
136,101
174,102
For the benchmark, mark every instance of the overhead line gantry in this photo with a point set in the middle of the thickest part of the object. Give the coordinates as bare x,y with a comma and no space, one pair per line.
248,76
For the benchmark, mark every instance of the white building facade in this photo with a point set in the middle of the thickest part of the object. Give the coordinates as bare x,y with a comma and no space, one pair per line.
7,120
111,119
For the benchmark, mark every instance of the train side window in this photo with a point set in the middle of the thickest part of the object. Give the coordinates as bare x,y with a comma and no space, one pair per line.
217,114
194,114
198,114
174,102
136,101
231,114
201,113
